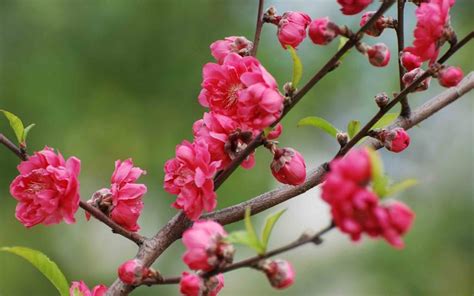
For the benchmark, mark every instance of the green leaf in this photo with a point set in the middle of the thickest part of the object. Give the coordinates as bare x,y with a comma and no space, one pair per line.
352,128
26,131
385,120
379,180
47,267
16,124
267,229
240,237
297,66
342,41
401,186
257,245
319,123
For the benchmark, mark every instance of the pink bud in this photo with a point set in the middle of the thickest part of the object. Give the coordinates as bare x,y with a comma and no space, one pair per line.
411,76
379,55
377,28
193,285
288,166
292,28
275,133
350,7
81,289
322,31
450,76
279,272
132,272
410,61
395,140
238,44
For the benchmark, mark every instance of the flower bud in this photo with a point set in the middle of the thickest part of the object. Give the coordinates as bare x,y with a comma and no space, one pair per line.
411,76
395,140
410,61
379,55
377,28
193,285
450,76
322,31
275,133
288,166
342,138
238,44
279,272
292,28
132,272
350,7
381,100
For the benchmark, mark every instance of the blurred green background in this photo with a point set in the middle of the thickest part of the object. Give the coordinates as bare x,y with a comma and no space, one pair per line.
106,80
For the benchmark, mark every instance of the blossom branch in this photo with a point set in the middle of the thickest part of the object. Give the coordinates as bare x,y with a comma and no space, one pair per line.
96,213
258,28
399,29
328,67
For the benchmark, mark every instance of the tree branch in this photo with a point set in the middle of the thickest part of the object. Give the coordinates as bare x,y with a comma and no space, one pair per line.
258,28
13,148
399,29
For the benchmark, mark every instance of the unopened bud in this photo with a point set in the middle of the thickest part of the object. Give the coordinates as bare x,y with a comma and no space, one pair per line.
450,76
342,138
132,272
381,100
379,55
395,140
279,272
322,31
413,75
288,166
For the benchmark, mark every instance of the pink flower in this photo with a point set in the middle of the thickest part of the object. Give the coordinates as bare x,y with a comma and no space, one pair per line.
205,247
243,90
47,189
238,44
132,272
225,138
413,75
292,28
322,31
193,285
127,195
190,176
395,140
450,76
355,209
288,166
410,61
379,55
81,289
350,7
279,272
432,19
377,28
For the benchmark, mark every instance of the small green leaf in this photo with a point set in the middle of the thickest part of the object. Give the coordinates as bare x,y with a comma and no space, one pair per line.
26,131
401,186
353,128
47,267
16,124
266,131
240,237
297,66
251,232
385,120
342,41
319,123
267,229
379,180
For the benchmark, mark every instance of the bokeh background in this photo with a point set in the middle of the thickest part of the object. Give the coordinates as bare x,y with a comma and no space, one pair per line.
106,80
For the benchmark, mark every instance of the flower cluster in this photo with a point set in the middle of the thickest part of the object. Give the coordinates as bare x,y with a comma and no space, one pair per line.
123,201
355,208
206,250
81,289
47,189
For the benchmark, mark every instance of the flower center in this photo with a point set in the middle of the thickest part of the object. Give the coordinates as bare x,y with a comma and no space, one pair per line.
232,95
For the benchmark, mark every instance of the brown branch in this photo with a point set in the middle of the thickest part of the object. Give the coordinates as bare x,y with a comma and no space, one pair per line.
21,153
258,28
399,29
96,213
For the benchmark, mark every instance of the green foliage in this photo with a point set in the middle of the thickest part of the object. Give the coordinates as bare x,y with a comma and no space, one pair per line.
385,120
17,126
352,128
249,238
401,186
47,267
319,123
297,66
342,41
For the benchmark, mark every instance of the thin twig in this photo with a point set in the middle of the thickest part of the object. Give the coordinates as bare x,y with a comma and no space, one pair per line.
13,148
258,27
399,29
